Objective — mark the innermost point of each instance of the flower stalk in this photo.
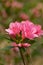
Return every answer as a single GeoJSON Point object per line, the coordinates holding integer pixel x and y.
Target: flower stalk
{"type": "Point", "coordinates": [22, 56]}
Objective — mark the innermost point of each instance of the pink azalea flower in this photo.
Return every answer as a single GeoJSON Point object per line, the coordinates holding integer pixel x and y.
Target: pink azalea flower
{"type": "Point", "coordinates": [21, 44]}
{"type": "Point", "coordinates": [24, 16]}
{"type": "Point", "coordinates": [26, 45]}
{"type": "Point", "coordinates": [27, 29]}
{"type": "Point", "coordinates": [14, 28]}
{"type": "Point", "coordinates": [36, 12]}
{"type": "Point", "coordinates": [30, 30]}
{"type": "Point", "coordinates": [15, 46]}
{"type": "Point", "coordinates": [39, 32]}
{"type": "Point", "coordinates": [17, 4]}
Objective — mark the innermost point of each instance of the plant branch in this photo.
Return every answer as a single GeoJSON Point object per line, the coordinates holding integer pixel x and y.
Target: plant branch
{"type": "Point", "coordinates": [22, 56]}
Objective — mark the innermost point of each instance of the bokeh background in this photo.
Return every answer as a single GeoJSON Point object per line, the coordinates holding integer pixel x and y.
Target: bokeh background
{"type": "Point", "coordinates": [19, 10]}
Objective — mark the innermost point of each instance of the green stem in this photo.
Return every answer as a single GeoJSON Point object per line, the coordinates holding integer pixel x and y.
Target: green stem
{"type": "Point", "coordinates": [20, 40]}
{"type": "Point", "coordinates": [22, 56]}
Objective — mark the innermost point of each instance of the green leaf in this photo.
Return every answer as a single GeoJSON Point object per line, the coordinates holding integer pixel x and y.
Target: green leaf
{"type": "Point", "coordinates": [7, 48]}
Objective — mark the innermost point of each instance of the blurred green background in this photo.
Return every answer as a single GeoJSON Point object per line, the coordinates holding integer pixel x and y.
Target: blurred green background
{"type": "Point", "coordinates": [19, 10]}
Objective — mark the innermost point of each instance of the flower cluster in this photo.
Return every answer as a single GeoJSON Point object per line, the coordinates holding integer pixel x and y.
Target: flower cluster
{"type": "Point", "coordinates": [24, 16]}
{"type": "Point", "coordinates": [36, 12]}
{"type": "Point", "coordinates": [14, 28]}
{"type": "Point", "coordinates": [21, 45]}
{"type": "Point", "coordinates": [16, 4]}
{"type": "Point", "coordinates": [25, 29]}
{"type": "Point", "coordinates": [30, 30]}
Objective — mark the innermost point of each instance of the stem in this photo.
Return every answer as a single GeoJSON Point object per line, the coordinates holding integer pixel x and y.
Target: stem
{"type": "Point", "coordinates": [22, 56]}
{"type": "Point", "coordinates": [20, 40]}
